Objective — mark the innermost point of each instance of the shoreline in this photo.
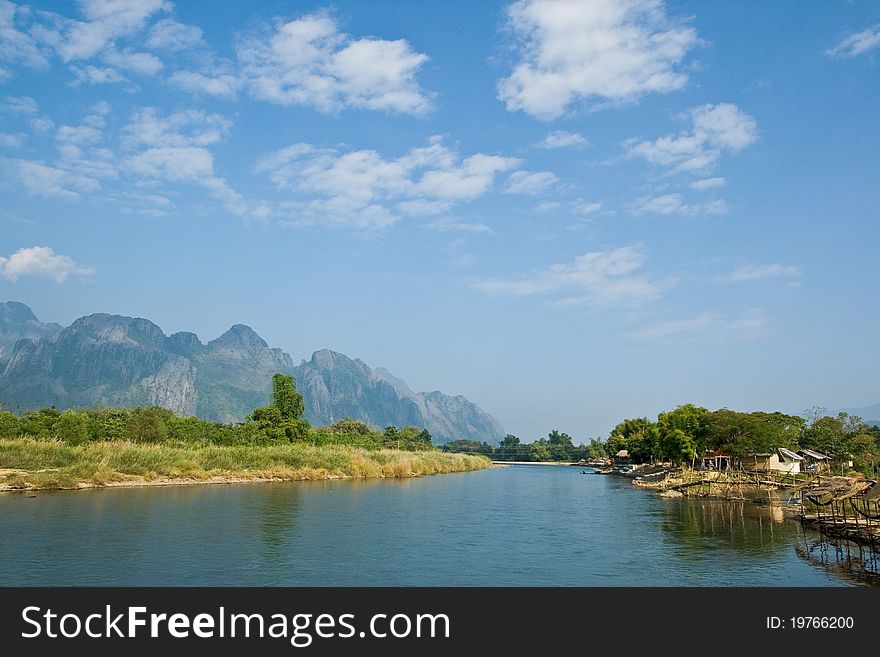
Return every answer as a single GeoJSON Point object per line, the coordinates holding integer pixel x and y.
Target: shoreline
{"type": "Point", "coordinates": [29, 465]}
{"type": "Point", "coordinates": [192, 481]}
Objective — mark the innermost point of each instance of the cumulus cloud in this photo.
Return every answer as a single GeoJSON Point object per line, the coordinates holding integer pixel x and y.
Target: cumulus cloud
{"type": "Point", "coordinates": [759, 272]}
{"type": "Point", "coordinates": [715, 129]}
{"type": "Point", "coordinates": [599, 52]}
{"type": "Point", "coordinates": [91, 74]}
{"type": "Point", "coordinates": [601, 278]}
{"type": "Point", "coordinates": [184, 128]}
{"type": "Point", "coordinates": [562, 139]}
{"type": "Point", "coordinates": [530, 184]}
{"type": "Point", "coordinates": [363, 189]}
{"type": "Point", "coordinates": [17, 46]}
{"type": "Point", "coordinates": [450, 226]}
{"type": "Point", "coordinates": [706, 327]}
{"type": "Point", "coordinates": [309, 61]}
{"type": "Point", "coordinates": [105, 22]}
{"type": "Point", "coordinates": [168, 34]}
{"type": "Point", "coordinates": [221, 85]}
{"type": "Point", "coordinates": [675, 204]}
{"type": "Point", "coordinates": [857, 43]}
{"type": "Point", "coordinates": [40, 261]}
{"type": "Point", "coordinates": [45, 180]}
{"type": "Point", "coordinates": [586, 208]}
{"type": "Point", "coordinates": [708, 183]}
{"type": "Point", "coordinates": [8, 140]}
{"type": "Point", "coordinates": [142, 63]}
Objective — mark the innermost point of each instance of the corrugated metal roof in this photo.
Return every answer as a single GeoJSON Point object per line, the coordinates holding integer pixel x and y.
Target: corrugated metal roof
{"type": "Point", "coordinates": [819, 456]}
{"type": "Point", "coordinates": [787, 453]}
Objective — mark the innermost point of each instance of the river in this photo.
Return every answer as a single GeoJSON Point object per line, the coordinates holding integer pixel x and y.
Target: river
{"type": "Point", "coordinates": [519, 525]}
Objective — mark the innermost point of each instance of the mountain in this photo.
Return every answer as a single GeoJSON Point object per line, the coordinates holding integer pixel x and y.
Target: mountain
{"type": "Point", "coordinates": [870, 414]}
{"type": "Point", "coordinates": [335, 386]}
{"type": "Point", "coordinates": [111, 360]}
{"type": "Point", "coordinates": [18, 322]}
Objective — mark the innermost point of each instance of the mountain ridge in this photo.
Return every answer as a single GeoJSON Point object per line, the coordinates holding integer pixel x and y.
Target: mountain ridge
{"type": "Point", "coordinates": [115, 360]}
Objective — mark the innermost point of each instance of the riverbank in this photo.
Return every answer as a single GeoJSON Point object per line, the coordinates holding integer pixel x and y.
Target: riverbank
{"type": "Point", "coordinates": [27, 464]}
{"type": "Point", "coordinates": [724, 485]}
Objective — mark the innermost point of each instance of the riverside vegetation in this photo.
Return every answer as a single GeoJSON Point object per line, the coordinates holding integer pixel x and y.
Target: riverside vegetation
{"type": "Point", "coordinates": [685, 434]}
{"type": "Point", "coordinates": [114, 446]}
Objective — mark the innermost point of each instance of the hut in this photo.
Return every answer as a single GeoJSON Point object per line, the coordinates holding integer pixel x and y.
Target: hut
{"type": "Point", "coordinates": [622, 457]}
{"type": "Point", "coordinates": [789, 462]}
{"type": "Point", "coordinates": [815, 461]}
{"type": "Point", "coordinates": [717, 460]}
{"type": "Point", "coordinates": [782, 460]}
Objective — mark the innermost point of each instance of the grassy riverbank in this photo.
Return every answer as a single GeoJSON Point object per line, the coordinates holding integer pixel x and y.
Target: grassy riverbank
{"type": "Point", "coordinates": [28, 464]}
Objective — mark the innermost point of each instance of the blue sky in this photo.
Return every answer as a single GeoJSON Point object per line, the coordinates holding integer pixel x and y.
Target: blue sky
{"type": "Point", "coordinates": [569, 212]}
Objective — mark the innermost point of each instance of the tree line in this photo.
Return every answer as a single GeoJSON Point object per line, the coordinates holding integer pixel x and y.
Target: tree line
{"type": "Point", "coordinates": [281, 421]}
{"type": "Point", "coordinates": [690, 432]}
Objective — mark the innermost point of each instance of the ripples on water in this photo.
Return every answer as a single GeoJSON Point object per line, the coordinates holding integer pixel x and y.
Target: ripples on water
{"type": "Point", "coordinates": [521, 525]}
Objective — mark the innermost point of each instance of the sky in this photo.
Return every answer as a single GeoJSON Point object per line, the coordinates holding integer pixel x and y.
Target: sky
{"type": "Point", "coordinates": [570, 212]}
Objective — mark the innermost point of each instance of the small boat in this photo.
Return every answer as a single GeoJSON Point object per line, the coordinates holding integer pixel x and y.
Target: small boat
{"type": "Point", "coordinates": [604, 471]}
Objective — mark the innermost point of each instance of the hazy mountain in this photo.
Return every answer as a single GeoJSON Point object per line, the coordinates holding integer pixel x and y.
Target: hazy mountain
{"type": "Point", "coordinates": [335, 386]}
{"type": "Point", "coordinates": [870, 414]}
{"type": "Point", "coordinates": [110, 360]}
{"type": "Point", "coordinates": [17, 322]}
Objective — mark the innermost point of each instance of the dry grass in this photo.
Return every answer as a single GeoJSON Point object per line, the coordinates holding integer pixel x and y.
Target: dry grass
{"type": "Point", "coordinates": [34, 464]}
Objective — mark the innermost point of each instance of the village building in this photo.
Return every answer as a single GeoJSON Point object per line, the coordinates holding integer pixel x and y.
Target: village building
{"type": "Point", "coordinates": [815, 461]}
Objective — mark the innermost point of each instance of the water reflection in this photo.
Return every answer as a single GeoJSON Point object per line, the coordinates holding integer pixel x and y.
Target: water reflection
{"type": "Point", "coordinates": [276, 509]}
{"type": "Point", "coordinates": [843, 559]}
{"type": "Point", "coordinates": [735, 524]}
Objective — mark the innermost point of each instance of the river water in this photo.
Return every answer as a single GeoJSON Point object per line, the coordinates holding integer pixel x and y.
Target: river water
{"type": "Point", "coordinates": [519, 525]}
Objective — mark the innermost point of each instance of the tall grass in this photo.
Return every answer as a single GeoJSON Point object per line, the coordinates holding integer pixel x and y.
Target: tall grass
{"type": "Point", "coordinates": [35, 464]}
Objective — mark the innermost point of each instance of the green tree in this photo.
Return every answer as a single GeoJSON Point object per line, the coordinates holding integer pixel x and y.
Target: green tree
{"type": "Point", "coordinates": [596, 449]}
{"type": "Point", "coordinates": [286, 398]}
{"type": "Point", "coordinates": [639, 436]}
{"type": "Point", "coordinates": [149, 424]}
{"type": "Point", "coordinates": [9, 426]}
{"type": "Point", "coordinates": [690, 420]}
{"type": "Point", "coordinates": [560, 446]}
{"type": "Point", "coordinates": [73, 427]}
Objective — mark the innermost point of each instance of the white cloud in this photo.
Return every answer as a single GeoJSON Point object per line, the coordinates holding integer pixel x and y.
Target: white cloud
{"type": "Point", "coordinates": [586, 208]}
{"type": "Point", "coordinates": [707, 327]}
{"type": "Point", "coordinates": [24, 105]}
{"type": "Point", "coordinates": [222, 85]}
{"type": "Point", "coordinates": [17, 47]}
{"type": "Point", "coordinates": [531, 184]}
{"type": "Point", "coordinates": [675, 204]}
{"type": "Point", "coordinates": [168, 34]}
{"type": "Point", "coordinates": [44, 180]}
{"type": "Point", "coordinates": [423, 207]}
{"type": "Point", "coordinates": [183, 128]}
{"type": "Point", "coordinates": [41, 261]}
{"type": "Point", "coordinates": [106, 21]}
{"type": "Point", "coordinates": [9, 141]}
{"type": "Point", "coordinates": [562, 139]}
{"type": "Point", "coordinates": [759, 272]}
{"type": "Point", "coordinates": [448, 226]}
{"type": "Point", "coordinates": [174, 149]}
{"type": "Point", "coordinates": [858, 43]}
{"type": "Point", "coordinates": [353, 188]}
{"type": "Point", "coordinates": [78, 135]}
{"type": "Point", "coordinates": [598, 52]}
{"type": "Point", "coordinates": [601, 278]}
{"type": "Point", "coordinates": [547, 206]}
{"type": "Point", "coordinates": [308, 61]}
{"type": "Point", "coordinates": [91, 74]}
{"type": "Point", "coordinates": [174, 163]}
{"type": "Point", "coordinates": [715, 129]}
{"type": "Point", "coordinates": [142, 63]}
{"type": "Point", "coordinates": [708, 183]}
